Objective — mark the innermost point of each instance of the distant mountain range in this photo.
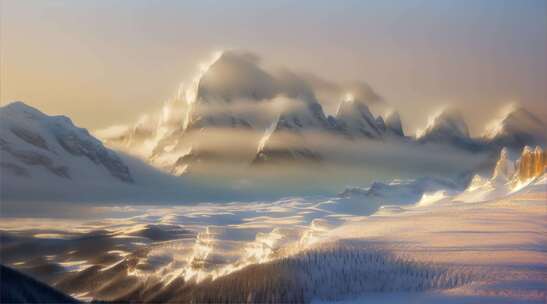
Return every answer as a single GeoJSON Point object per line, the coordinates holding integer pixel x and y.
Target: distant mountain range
{"type": "Point", "coordinates": [237, 113]}
{"type": "Point", "coordinates": [233, 95]}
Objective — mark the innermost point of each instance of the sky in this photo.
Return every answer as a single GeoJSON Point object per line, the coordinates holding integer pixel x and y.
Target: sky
{"type": "Point", "coordinates": [106, 62]}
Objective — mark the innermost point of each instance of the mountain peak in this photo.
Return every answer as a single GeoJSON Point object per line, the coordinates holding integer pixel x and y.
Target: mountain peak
{"type": "Point", "coordinates": [393, 123]}
{"type": "Point", "coordinates": [517, 128]}
{"type": "Point", "coordinates": [355, 119]}
{"type": "Point", "coordinates": [21, 107]}
{"type": "Point", "coordinates": [30, 139]}
{"type": "Point", "coordinates": [235, 75]}
{"type": "Point", "coordinates": [517, 119]}
{"type": "Point", "coordinates": [447, 123]}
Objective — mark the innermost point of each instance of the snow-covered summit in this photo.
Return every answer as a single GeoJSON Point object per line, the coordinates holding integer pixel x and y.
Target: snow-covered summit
{"type": "Point", "coordinates": [31, 140]}
{"type": "Point", "coordinates": [446, 124]}
{"type": "Point", "coordinates": [355, 120]}
{"type": "Point", "coordinates": [235, 75]}
{"type": "Point", "coordinates": [516, 129]}
{"type": "Point", "coordinates": [448, 127]}
{"type": "Point", "coordinates": [285, 140]}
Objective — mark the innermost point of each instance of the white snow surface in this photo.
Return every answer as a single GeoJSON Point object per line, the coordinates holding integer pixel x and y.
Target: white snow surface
{"type": "Point", "coordinates": [340, 249]}
{"type": "Point", "coordinates": [51, 147]}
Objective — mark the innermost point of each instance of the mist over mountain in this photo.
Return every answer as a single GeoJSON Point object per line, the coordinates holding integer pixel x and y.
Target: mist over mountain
{"type": "Point", "coordinates": [254, 131]}
{"type": "Point", "coordinates": [516, 129]}
{"type": "Point", "coordinates": [238, 112]}
{"type": "Point", "coordinates": [47, 158]}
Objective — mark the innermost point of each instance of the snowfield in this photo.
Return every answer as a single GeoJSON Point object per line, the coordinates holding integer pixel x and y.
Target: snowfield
{"type": "Point", "coordinates": [295, 250]}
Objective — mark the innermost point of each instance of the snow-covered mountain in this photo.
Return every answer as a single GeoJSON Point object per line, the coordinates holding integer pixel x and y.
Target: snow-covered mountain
{"type": "Point", "coordinates": [517, 129]}
{"type": "Point", "coordinates": [355, 120]}
{"type": "Point", "coordinates": [33, 143]}
{"type": "Point", "coordinates": [285, 142]}
{"type": "Point", "coordinates": [393, 123]}
{"type": "Point", "coordinates": [448, 127]}
{"type": "Point", "coordinates": [286, 139]}
{"type": "Point", "coordinates": [237, 111]}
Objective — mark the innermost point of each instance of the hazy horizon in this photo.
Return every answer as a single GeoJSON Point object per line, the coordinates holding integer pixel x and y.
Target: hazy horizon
{"type": "Point", "coordinates": [477, 55]}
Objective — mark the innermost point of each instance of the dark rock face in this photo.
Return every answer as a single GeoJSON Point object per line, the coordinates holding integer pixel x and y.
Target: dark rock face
{"type": "Point", "coordinates": [218, 121]}
{"type": "Point", "coordinates": [287, 143]}
{"type": "Point", "coordinates": [393, 124]}
{"type": "Point", "coordinates": [354, 119]}
{"type": "Point", "coordinates": [19, 288]}
{"type": "Point", "coordinates": [272, 156]}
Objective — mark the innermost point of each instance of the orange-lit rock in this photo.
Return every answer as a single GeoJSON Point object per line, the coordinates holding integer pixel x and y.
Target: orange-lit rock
{"type": "Point", "coordinates": [531, 163]}
{"type": "Point", "coordinates": [539, 161]}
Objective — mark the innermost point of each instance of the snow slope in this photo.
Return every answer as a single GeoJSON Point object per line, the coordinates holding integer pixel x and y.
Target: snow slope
{"type": "Point", "coordinates": [47, 158]}
{"type": "Point", "coordinates": [502, 241]}
{"type": "Point", "coordinates": [33, 142]}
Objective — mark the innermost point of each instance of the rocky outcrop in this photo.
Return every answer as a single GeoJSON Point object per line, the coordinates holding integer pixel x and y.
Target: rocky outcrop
{"type": "Point", "coordinates": [505, 168]}
{"type": "Point", "coordinates": [532, 163]}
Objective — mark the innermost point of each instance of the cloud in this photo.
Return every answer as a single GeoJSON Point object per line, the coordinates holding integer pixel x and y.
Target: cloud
{"type": "Point", "coordinates": [330, 93]}
{"type": "Point", "coordinates": [241, 75]}
{"type": "Point", "coordinates": [236, 75]}
{"type": "Point", "coordinates": [363, 92]}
